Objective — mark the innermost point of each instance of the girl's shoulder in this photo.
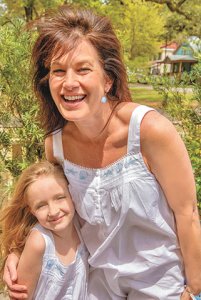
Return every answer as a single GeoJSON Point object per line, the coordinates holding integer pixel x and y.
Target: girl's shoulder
{"type": "Point", "coordinates": [30, 263]}
{"type": "Point", "coordinates": [36, 242]}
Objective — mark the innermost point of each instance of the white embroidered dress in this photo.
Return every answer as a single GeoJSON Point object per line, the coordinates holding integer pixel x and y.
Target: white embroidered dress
{"type": "Point", "coordinates": [58, 281]}
{"type": "Point", "coordinates": [127, 225]}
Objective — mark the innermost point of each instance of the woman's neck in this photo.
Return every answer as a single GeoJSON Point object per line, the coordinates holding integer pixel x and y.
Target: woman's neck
{"type": "Point", "coordinates": [97, 128]}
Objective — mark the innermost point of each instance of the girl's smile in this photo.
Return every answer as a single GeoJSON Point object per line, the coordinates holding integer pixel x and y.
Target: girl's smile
{"type": "Point", "coordinates": [57, 220]}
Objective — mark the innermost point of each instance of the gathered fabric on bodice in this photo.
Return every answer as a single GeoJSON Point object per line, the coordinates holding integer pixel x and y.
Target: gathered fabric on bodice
{"type": "Point", "coordinates": [127, 225]}
{"type": "Point", "coordinates": [58, 281]}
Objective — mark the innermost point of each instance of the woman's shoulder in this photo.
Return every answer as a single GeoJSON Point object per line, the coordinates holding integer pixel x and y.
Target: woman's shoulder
{"type": "Point", "coordinates": [124, 111]}
{"type": "Point", "coordinates": [155, 126]}
{"type": "Point", "coordinates": [159, 138]}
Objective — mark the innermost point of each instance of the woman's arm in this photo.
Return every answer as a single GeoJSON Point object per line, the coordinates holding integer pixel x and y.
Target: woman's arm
{"type": "Point", "coordinates": [30, 263]}
{"type": "Point", "coordinates": [49, 149]}
{"type": "Point", "coordinates": [16, 291]}
{"type": "Point", "coordinates": [167, 158]}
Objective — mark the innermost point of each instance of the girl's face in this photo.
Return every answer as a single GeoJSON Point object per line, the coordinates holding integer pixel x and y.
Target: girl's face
{"type": "Point", "coordinates": [50, 202]}
{"type": "Point", "coordinates": [77, 83]}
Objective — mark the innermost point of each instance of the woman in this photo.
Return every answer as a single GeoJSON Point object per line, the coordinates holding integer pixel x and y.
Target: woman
{"type": "Point", "coordinates": [128, 170]}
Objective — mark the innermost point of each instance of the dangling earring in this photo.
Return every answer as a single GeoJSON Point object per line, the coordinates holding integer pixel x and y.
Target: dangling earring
{"type": "Point", "coordinates": [104, 99]}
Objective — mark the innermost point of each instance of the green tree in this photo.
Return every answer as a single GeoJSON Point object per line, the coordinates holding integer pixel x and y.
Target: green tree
{"type": "Point", "coordinates": [18, 106]}
{"type": "Point", "coordinates": [138, 26]}
{"type": "Point", "coordinates": [28, 10]}
{"type": "Point", "coordinates": [182, 16]}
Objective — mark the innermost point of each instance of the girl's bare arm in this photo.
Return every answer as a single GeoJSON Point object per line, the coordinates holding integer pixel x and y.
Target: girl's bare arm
{"type": "Point", "coordinates": [30, 263]}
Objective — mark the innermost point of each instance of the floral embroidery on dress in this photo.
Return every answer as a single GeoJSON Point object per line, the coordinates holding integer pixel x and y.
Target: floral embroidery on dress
{"type": "Point", "coordinates": [108, 173]}
{"type": "Point", "coordinates": [118, 167]}
{"type": "Point", "coordinates": [83, 175]}
{"type": "Point", "coordinates": [60, 271]}
{"type": "Point", "coordinates": [70, 171]}
{"type": "Point", "coordinates": [82, 252]}
{"type": "Point", "coordinates": [131, 162]}
{"type": "Point", "coordinates": [50, 263]}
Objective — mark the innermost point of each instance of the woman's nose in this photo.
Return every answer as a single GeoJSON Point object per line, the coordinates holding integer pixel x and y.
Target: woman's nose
{"type": "Point", "coordinates": [70, 80]}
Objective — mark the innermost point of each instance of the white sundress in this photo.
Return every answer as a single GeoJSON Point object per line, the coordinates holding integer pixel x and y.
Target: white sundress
{"type": "Point", "coordinates": [127, 225]}
{"type": "Point", "coordinates": [58, 281]}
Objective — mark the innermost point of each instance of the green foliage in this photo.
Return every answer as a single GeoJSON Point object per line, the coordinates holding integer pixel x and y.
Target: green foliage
{"type": "Point", "coordinates": [27, 10]}
{"type": "Point", "coordinates": [182, 17]}
{"type": "Point", "coordinates": [138, 27]}
{"type": "Point", "coordinates": [18, 106]}
{"type": "Point", "coordinates": [185, 111]}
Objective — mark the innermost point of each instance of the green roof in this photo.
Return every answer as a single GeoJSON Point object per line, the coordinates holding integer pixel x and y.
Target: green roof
{"type": "Point", "coordinates": [179, 58]}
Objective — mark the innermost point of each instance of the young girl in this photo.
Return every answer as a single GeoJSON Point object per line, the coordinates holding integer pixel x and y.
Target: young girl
{"type": "Point", "coordinates": [39, 224]}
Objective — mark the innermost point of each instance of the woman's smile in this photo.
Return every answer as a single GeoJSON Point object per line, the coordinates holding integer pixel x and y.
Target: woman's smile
{"type": "Point", "coordinates": [72, 101]}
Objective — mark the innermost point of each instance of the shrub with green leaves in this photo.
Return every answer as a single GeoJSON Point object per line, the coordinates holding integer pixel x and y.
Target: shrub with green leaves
{"type": "Point", "coordinates": [18, 106]}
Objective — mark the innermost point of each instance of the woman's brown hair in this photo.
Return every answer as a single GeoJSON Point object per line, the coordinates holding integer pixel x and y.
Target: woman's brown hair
{"type": "Point", "coordinates": [16, 220]}
{"type": "Point", "coordinates": [59, 32]}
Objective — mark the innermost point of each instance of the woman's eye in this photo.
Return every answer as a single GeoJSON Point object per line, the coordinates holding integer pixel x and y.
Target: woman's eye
{"type": "Point", "coordinates": [58, 71]}
{"type": "Point", "coordinates": [84, 70]}
{"type": "Point", "coordinates": [61, 197]}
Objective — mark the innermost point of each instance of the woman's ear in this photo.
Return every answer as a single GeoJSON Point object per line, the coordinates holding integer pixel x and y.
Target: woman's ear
{"type": "Point", "coordinates": [108, 84]}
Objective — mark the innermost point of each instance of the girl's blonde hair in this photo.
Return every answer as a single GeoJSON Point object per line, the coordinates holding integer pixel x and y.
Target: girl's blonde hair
{"type": "Point", "coordinates": [16, 219]}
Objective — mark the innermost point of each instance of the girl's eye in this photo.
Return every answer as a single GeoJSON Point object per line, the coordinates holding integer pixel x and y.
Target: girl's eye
{"type": "Point", "coordinates": [40, 205]}
{"type": "Point", "coordinates": [61, 197]}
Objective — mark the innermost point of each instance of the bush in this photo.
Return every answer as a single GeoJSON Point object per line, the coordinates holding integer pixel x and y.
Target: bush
{"type": "Point", "coordinates": [19, 109]}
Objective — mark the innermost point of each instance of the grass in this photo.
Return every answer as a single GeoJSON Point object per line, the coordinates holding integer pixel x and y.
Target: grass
{"type": "Point", "coordinates": [150, 97]}
{"type": "Point", "coordinates": [146, 97]}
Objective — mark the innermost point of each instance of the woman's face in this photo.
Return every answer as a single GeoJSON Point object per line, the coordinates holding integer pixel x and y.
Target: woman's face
{"type": "Point", "coordinates": [77, 83]}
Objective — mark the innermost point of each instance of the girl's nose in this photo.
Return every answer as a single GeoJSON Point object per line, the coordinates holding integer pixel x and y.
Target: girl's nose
{"type": "Point", "coordinates": [70, 80]}
{"type": "Point", "coordinates": [53, 210]}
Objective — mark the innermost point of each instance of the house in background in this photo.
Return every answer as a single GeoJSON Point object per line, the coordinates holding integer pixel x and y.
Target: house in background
{"type": "Point", "coordinates": [157, 67]}
{"type": "Point", "coordinates": [182, 58]}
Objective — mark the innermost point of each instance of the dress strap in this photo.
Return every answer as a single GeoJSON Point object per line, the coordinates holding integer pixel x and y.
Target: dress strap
{"type": "Point", "coordinates": [57, 145]}
{"type": "Point", "coordinates": [134, 128]}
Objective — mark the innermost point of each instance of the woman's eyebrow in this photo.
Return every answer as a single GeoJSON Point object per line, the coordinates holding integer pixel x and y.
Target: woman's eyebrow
{"type": "Point", "coordinates": [56, 62]}
{"type": "Point", "coordinates": [84, 61]}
